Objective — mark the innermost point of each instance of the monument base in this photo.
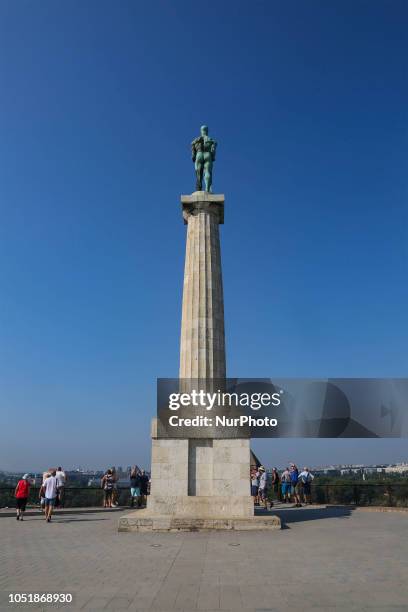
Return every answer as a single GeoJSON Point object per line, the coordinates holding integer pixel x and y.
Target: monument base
{"type": "Point", "coordinates": [201, 478]}
{"type": "Point", "coordinates": [142, 520]}
{"type": "Point", "coordinates": [198, 485]}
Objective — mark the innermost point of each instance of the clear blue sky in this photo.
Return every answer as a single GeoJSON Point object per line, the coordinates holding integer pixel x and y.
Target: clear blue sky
{"type": "Point", "coordinates": [99, 102]}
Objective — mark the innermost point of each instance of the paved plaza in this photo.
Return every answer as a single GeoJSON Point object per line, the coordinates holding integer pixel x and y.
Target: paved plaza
{"type": "Point", "coordinates": [325, 559]}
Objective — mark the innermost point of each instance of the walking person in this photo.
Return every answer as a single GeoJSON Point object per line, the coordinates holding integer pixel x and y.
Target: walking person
{"type": "Point", "coordinates": [107, 484]}
{"type": "Point", "coordinates": [41, 495]}
{"type": "Point", "coordinates": [285, 486]}
{"type": "Point", "coordinates": [50, 491]}
{"type": "Point", "coordinates": [61, 480]}
{"type": "Point", "coordinates": [135, 487]}
{"type": "Point", "coordinates": [306, 477]}
{"type": "Point", "coordinates": [21, 493]}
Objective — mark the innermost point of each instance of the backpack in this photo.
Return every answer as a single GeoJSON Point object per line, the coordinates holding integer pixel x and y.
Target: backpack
{"type": "Point", "coordinates": [108, 483]}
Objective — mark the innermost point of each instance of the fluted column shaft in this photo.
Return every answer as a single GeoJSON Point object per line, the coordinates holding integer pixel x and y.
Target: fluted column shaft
{"type": "Point", "coordinates": [202, 345]}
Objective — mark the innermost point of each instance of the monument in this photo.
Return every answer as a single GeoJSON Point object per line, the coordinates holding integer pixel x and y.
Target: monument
{"type": "Point", "coordinates": [200, 483]}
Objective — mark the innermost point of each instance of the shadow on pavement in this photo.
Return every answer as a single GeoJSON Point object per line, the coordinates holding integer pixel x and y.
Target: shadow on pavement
{"type": "Point", "coordinates": [58, 519]}
{"type": "Point", "coordinates": [297, 515]}
{"type": "Point", "coordinates": [7, 512]}
{"type": "Point", "coordinates": [79, 520]}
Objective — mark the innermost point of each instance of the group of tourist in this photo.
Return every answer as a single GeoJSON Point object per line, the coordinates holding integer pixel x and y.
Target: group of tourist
{"type": "Point", "coordinates": [52, 492]}
{"type": "Point", "coordinates": [289, 486]}
{"type": "Point", "coordinates": [139, 482]}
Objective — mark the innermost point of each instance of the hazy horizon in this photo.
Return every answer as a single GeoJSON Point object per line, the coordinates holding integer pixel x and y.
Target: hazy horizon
{"type": "Point", "coordinates": [300, 451]}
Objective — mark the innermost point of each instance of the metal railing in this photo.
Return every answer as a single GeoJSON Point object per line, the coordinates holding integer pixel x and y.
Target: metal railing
{"type": "Point", "coordinates": [357, 494]}
{"type": "Point", "coordinates": [370, 494]}
{"type": "Point", "coordinates": [361, 494]}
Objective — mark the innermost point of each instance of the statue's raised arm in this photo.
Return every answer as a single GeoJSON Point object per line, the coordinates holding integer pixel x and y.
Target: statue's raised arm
{"type": "Point", "coordinates": [203, 150]}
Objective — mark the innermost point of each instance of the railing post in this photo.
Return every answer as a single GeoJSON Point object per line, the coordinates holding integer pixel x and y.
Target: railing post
{"type": "Point", "coordinates": [355, 495]}
{"type": "Point", "coordinates": [390, 497]}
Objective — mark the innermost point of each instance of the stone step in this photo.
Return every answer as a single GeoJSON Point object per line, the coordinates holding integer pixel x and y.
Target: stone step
{"type": "Point", "coordinates": [142, 520]}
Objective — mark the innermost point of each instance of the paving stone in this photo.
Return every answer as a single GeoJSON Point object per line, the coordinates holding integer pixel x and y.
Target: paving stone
{"type": "Point", "coordinates": [333, 563]}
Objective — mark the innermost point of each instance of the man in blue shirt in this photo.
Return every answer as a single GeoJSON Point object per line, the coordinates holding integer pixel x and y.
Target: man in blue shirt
{"type": "Point", "coordinates": [294, 479]}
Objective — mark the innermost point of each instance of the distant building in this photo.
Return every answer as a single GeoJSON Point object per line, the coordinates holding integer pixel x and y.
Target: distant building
{"type": "Point", "coordinates": [398, 468]}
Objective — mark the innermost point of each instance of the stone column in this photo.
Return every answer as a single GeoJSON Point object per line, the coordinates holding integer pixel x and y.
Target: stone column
{"type": "Point", "coordinates": [201, 477]}
{"type": "Point", "coordinates": [202, 345]}
{"type": "Point", "coordinates": [200, 483]}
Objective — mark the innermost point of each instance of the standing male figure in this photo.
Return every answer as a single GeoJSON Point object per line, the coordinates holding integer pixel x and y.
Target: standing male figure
{"type": "Point", "coordinates": [255, 485]}
{"type": "Point", "coordinates": [61, 480]}
{"type": "Point", "coordinates": [203, 154]}
{"type": "Point", "coordinates": [294, 480]}
{"type": "Point", "coordinates": [286, 486]}
{"type": "Point", "coordinates": [263, 487]}
{"type": "Point", "coordinates": [49, 492]}
{"type": "Point", "coordinates": [306, 478]}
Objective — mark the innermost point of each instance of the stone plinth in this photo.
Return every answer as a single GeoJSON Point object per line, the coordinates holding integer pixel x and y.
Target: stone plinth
{"type": "Point", "coordinates": [142, 520]}
{"type": "Point", "coordinates": [200, 478]}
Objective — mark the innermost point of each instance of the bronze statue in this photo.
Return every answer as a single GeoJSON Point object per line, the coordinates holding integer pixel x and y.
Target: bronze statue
{"type": "Point", "coordinates": [203, 153]}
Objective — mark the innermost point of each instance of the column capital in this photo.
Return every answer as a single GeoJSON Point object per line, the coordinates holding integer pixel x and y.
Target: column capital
{"type": "Point", "coordinates": [203, 201]}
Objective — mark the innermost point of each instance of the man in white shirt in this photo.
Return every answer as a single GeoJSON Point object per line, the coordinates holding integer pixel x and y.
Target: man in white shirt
{"type": "Point", "coordinates": [305, 479]}
{"type": "Point", "coordinates": [49, 491]}
{"type": "Point", "coordinates": [61, 480]}
{"type": "Point", "coordinates": [255, 485]}
{"type": "Point", "coordinates": [263, 486]}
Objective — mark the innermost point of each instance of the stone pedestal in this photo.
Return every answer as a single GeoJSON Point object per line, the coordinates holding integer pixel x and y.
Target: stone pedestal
{"type": "Point", "coordinates": [203, 478]}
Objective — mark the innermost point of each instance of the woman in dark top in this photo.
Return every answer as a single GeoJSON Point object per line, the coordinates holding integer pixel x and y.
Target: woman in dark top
{"type": "Point", "coordinates": [135, 487]}
{"type": "Point", "coordinates": [276, 484]}
{"type": "Point", "coordinates": [144, 487]}
{"type": "Point", "coordinates": [107, 484]}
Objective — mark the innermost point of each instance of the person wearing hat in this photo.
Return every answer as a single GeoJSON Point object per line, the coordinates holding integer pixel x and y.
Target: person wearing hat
{"type": "Point", "coordinates": [22, 492]}
{"type": "Point", "coordinates": [263, 486]}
